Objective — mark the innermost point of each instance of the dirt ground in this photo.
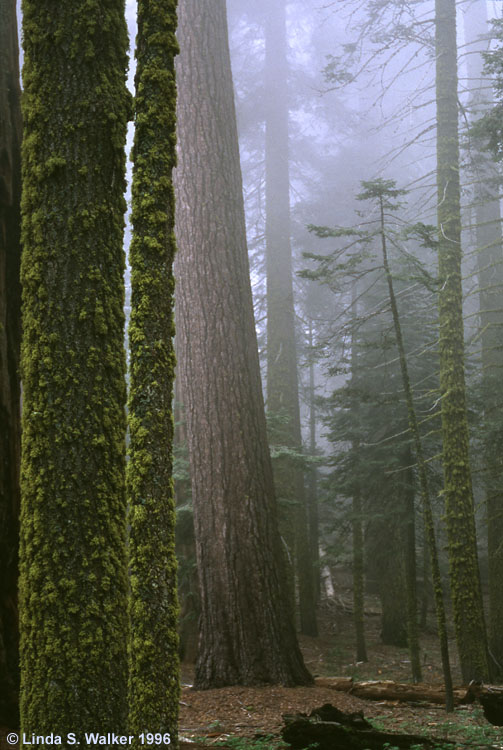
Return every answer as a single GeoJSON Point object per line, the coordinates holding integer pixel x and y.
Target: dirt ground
{"type": "Point", "coordinates": [216, 715]}
{"type": "Point", "coordinates": [213, 716]}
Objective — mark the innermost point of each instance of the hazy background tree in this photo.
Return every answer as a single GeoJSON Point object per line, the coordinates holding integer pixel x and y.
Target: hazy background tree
{"type": "Point", "coordinates": [489, 265]}
{"type": "Point", "coordinates": [282, 377]}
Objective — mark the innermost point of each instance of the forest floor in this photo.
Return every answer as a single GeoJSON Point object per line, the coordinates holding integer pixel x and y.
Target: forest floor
{"type": "Point", "coordinates": [251, 718]}
{"type": "Point", "coordinates": [241, 718]}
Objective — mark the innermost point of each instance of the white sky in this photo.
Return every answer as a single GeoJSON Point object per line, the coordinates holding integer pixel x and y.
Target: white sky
{"type": "Point", "coordinates": [131, 22]}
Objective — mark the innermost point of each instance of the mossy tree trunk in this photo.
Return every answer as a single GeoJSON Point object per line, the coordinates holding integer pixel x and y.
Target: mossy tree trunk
{"type": "Point", "coordinates": [282, 377]}
{"type": "Point", "coordinates": [73, 572]}
{"type": "Point", "coordinates": [10, 335]}
{"type": "Point", "coordinates": [458, 495]}
{"type": "Point", "coordinates": [490, 276]}
{"type": "Point", "coordinates": [246, 625]}
{"type": "Point", "coordinates": [153, 666]}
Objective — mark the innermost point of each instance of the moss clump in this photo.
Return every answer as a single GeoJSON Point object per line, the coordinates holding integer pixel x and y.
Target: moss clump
{"type": "Point", "coordinates": [153, 680]}
{"type": "Point", "coordinates": [73, 521]}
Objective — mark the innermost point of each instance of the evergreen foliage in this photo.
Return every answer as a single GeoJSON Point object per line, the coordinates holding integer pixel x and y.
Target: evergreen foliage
{"type": "Point", "coordinates": [73, 574]}
{"type": "Point", "coordinates": [490, 125]}
{"type": "Point", "coordinates": [153, 679]}
{"type": "Point", "coordinates": [379, 460]}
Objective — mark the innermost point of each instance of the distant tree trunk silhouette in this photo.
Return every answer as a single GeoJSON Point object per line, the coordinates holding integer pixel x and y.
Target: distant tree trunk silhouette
{"type": "Point", "coordinates": [73, 568]}
{"type": "Point", "coordinates": [458, 495]}
{"type": "Point", "coordinates": [10, 333]}
{"type": "Point", "coordinates": [312, 487]}
{"type": "Point", "coordinates": [154, 685]}
{"type": "Point", "coordinates": [385, 555]}
{"type": "Point", "coordinates": [282, 378]}
{"type": "Point", "coordinates": [246, 628]}
{"type": "Point", "coordinates": [358, 550]}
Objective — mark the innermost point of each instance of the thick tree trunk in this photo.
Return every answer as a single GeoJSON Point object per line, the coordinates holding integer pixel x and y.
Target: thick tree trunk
{"type": "Point", "coordinates": [246, 626]}
{"type": "Point", "coordinates": [73, 568]}
{"type": "Point", "coordinates": [282, 377]}
{"type": "Point", "coordinates": [154, 685]}
{"type": "Point", "coordinates": [10, 330]}
{"type": "Point", "coordinates": [458, 496]}
{"type": "Point", "coordinates": [490, 274]}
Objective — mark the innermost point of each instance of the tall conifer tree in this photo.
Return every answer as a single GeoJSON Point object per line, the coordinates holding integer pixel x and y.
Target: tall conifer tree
{"type": "Point", "coordinates": [246, 628]}
{"type": "Point", "coordinates": [488, 236]}
{"type": "Point", "coordinates": [282, 376]}
{"type": "Point", "coordinates": [153, 678]}
{"type": "Point", "coordinates": [73, 574]}
{"type": "Point", "coordinates": [458, 495]}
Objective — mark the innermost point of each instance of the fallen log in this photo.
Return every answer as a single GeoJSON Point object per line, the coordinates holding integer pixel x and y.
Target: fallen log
{"type": "Point", "coordinates": [344, 684]}
{"type": "Point", "coordinates": [327, 728]}
{"type": "Point", "coordinates": [491, 698]}
{"type": "Point", "coordinates": [388, 690]}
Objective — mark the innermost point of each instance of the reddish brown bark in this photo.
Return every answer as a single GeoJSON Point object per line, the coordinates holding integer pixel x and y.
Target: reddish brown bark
{"type": "Point", "coordinates": [246, 630]}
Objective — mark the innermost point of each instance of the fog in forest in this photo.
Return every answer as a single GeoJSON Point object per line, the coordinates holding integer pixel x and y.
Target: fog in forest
{"type": "Point", "coordinates": [338, 110]}
{"type": "Point", "coordinates": [261, 432]}
{"type": "Point", "coordinates": [360, 94]}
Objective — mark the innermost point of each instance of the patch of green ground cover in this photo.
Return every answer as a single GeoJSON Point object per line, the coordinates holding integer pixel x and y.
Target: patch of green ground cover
{"type": "Point", "coordinates": [262, 742]}
{"type": "Point", "coordinates": [266, 742]}
{"type": "Point", "coordinates": [465, 728]}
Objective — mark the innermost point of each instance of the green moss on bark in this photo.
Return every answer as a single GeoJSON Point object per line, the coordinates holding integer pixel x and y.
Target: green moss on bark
{"type": "Point", "coordinates": [458, 496]}
{"type": "Point", "coordinates": [73, 573]}
{"type": "Point", "coordinates": [154, 670]}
